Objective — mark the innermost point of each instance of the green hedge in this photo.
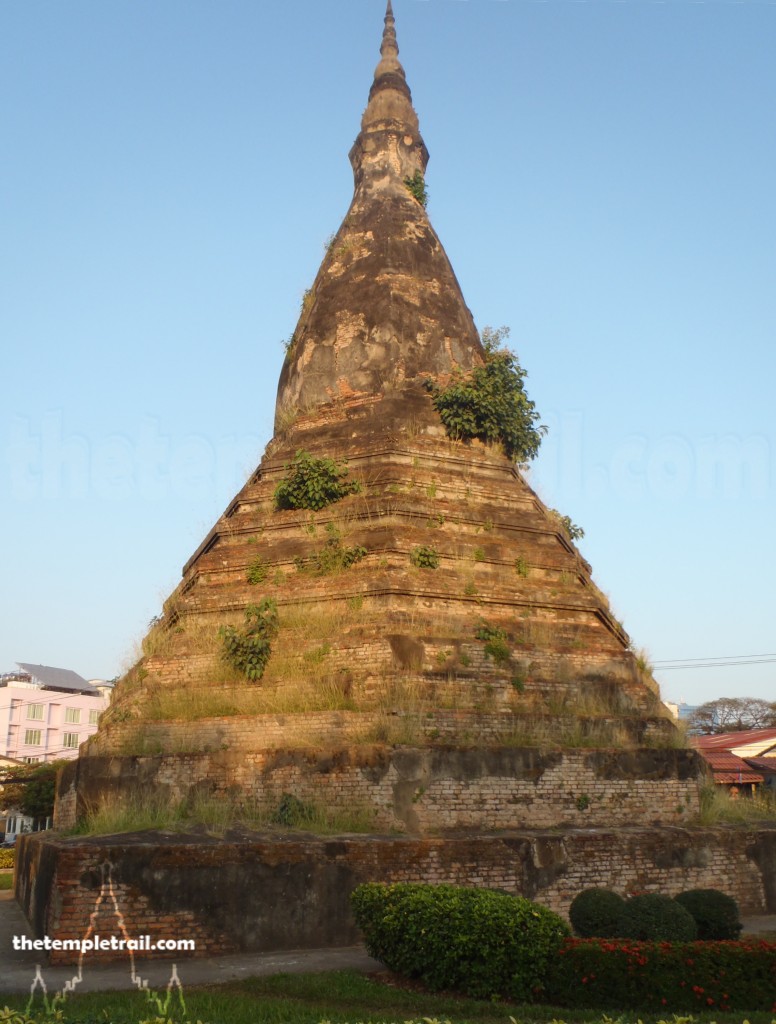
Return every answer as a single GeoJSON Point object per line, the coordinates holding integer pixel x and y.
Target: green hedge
{"type": "Point", "coordinates": [7, 857]}
{"type": "Point", "coordinates": [602, 973]}
{"type": "Point", "coordinates": [595, 913]}
{"type": "Point", "coordinates": [477, 941]}
{"type": "Point", "coordinates": [602, 914]}
{"type": "Point", "coordinates": [715, 913]}
{"type": "Point", "coordinates": [652, 916]}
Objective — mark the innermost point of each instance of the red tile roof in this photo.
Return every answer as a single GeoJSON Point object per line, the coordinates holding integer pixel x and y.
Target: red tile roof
{"type": "Point", "coordinates": [762, 764]}
{"type": "Point", "coordinates": [731, 740]}
{"type": "Point", "coordinates": [729, 769]}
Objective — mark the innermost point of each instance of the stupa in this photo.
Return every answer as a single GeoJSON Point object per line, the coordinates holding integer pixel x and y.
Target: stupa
{"type": "Point", "coordinates": [437, 600]}
{"type": "Point", "coordinates": [386, 628]}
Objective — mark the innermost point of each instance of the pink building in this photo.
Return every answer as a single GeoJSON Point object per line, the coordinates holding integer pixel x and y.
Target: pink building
{"type": "Point", "coordinates": [46, 713]}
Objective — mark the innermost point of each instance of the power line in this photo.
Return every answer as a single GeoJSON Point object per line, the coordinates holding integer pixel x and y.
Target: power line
{"type": "Point", "coordinates": [732, 661]}
{"type": "Point", "coordinates": [718, 657]}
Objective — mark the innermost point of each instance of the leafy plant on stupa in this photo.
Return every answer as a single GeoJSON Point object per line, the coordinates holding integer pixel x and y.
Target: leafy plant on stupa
{"type": "Point", "coordinates": [425, 557]}
{"type": "Point", "coordinates": [248, 650]}
{"type": "Point", "coordinates": [416, 186]}
{"type": "Point", "coordinates": [566, 523]}
{"type": "Point", "coordinates": [495, 640]}
{"type": "Point", "coordinates": [257, 571]}
{"type": "Point", "coordinates": [489, 403]}
{"type": "Point", "coordinates": [313, 483]}
{"type": "Point", "coordinates": [332, 557]}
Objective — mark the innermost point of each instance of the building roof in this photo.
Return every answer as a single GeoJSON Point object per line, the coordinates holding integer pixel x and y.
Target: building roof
{"type": "Point", "coordinates": [729, 769]}
{"type": "Point", "coordinates": [767, 765]}
{"type": "Point", "coordinates": [10, 762]}
{"type": "Point", "coordinates": [58, 678]}
{"type": "Point", "coordinates": [750, 742]}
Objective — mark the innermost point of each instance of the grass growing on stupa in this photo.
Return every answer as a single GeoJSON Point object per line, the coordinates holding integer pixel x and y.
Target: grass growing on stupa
{"type": "Point", "coordinates": [218, 813]}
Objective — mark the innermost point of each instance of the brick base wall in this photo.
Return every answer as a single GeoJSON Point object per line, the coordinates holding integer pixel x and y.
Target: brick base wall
{"type": "Point", "coordinates": [264, 892]}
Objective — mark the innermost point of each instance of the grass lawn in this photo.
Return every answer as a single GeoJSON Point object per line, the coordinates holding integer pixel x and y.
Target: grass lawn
{"type": "Point", "coordinates": [6, 879]}
{"type": "Point", "coordinates": [336, 996]}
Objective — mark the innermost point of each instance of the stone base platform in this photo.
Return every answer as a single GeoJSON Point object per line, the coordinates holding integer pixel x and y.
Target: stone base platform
{"type": "Point", "coordinates": [264, 892]}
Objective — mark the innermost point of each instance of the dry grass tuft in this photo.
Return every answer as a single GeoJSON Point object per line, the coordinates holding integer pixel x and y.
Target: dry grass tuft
{"type": "Point", "coordinates": [572, 733]}
{"type": "Point", "coordinates": [316, 693]}
{"type": "Point", "coordinates": [718, 807]}
{"type": "Point", "coordinates": [404, 729]}
{"type": "Point", "coordinates": [219, 812]}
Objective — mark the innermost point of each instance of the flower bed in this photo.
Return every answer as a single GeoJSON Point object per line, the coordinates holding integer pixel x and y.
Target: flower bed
{"type": "Point", "coordinates": [664, 975]}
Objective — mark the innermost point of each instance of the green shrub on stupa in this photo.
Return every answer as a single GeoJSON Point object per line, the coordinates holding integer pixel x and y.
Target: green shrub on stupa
{"type": "Point", "coordinates": [313, 483]}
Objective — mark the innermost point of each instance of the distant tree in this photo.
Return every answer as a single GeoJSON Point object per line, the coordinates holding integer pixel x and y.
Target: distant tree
{"type": "Point", "coordinates": [732, 714]}
{"type": "Point", "coordinates": [31, 789]}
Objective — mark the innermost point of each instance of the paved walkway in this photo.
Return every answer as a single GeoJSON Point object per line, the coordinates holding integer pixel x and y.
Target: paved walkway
{"type": "Point", "coordinates": [18, 968]}
{"type": "Point", "coordinates": [756, 925]}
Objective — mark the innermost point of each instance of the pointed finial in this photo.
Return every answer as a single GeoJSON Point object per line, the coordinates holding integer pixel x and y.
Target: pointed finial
{"type": "Point", "coordinates": [389, 120]}
{"type": "Point", "coordinates": [389, 48]}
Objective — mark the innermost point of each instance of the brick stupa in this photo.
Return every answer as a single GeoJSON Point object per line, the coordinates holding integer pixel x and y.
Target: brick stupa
{"type": "Point", "coordinates": [384, 650]}
{"type": "Point", "coordinates": [444, 668]}
{"type": "Point", "coordinates": [502, 643]}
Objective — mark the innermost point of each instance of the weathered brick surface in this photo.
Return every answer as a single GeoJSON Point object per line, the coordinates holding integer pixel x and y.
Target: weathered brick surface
{"type": "Point", "coordinates": [268, 892]}
{"type": "Point", "coordinates": [420, 790]}
{"type": "Point", "coordinates": [330, 729]}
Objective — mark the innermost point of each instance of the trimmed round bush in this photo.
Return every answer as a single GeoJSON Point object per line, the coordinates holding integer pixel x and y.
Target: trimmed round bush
{"type": "Point", "coordinates": [595, 913]}
{"type": "Point", "coordinates": [657, 917]}
{"type": "Point", "coordinates": [477, 941]}
{"type": "Point", "coordinates": [715, 913]}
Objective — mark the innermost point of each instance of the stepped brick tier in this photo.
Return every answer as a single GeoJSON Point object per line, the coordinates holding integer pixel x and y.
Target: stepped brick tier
{"type": "Point", "coordinates": [443, 660]}
{"type": "Point", "coordinates": [385, 651]}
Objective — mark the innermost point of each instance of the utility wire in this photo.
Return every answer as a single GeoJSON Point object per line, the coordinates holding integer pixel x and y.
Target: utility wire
{"type": "Point", "coordinates": [718, 657]}
{"type": "Point", "coordinates": [719, 662]}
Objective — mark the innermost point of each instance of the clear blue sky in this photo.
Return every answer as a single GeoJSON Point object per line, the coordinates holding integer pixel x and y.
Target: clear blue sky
{"type": "Point", "coordinates": [602, 177]}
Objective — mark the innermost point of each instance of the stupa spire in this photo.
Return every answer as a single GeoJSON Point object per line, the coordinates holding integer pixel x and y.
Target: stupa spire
{"type": "Point", "coordinates": [385, 309]}
{"type": "Point", "coordinates": [389, 119]}
{"type": "Point", "coordinates": [389, 48]}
